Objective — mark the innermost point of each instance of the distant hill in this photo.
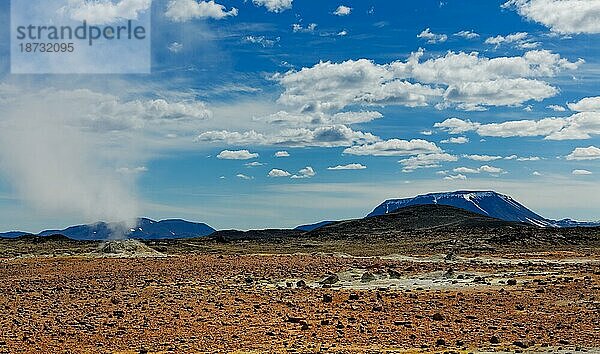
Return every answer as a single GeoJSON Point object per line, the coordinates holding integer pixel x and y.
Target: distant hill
{"type": "Point", "coordinates": [486, 203]}
{"type": "Point", "coordinates": [13, 234]}
{"type": "Point", "coordinates": [147, 229]}
{"type": "Point", "coordinates": [418, 218]}
{"type": "Point", "coordinates": [254, 235]}
{"type": "Point", "coordinates": [314, 226]}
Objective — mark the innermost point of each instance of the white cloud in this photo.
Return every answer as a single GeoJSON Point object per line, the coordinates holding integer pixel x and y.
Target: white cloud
{"type": "Point", "coordinates": [426, 161]}
{"type": "Point", "coordinates": [95, 112]}
{"type": "Point", "coordinates": [581, 172]}
{"type": "Point", "coordinates": [320, 118]}
{"type": "Point", "coordinates": [307, 172]}
{"type": "Point", "coordinates": [483, 158]}
{"type": "Point", "coordinates": [329, 86]}
{"type": "Point", "coordinates": [536, 173]}
{"type": "Point", "coordinates": [185, 10]}
{"type": "Point", "coordinates": [578, 126]}
{"type": "Point", "coordinates": [175, 47]}
{"type": "Point", "coordinates": [244, 177]}
{"type": "Point", "coordinates": [588, 153]}
{"type": "Point", "coordinates": [261, 40]}
{"type": "Point", "coordinates": [490, 169]}
{"type": "Point", "coordinates": [394, 147]}
{"type": "Point", "coordinates": [282, 154]}
{"type": "Point", "coordinates": [456, 140]}
{"type": "Point", "coordinates": [456, 125]}
{"type": "Point", "coordinates": [521, 39]}
{"type": "Point", "coordinates": [511, 38]}
{"type": "Point", "coordinates": [588, 104]}
{"type": "Point", "coordinates": [342, 11]}
{"type": "Point", "coordinates": [342, 33]}
{"type": "Point", "coordinates": [556, 108]}
{"type": "Point", "coordinates": [274, 5]}
{"type": "Point", "coordinates": [482, 169]}
{"type": "Point", "coordinates": [467, 34]}
{"type": "Point", "coordinates": [432, 37]}
{"type": "Point", "coordinates": [297, 28]}
{"type": "Point", "coordinates": [459, 177]}
{"type": "Point", "coordinates": [427, 132]}
{"type": "Point", "coordinates": [324, 136]}
{"type": "Point", "coordinates": [105, 11]}
{"type": "Point", "coordinates": [466, 81]}
{"type": "Point", "coordinates": [352, 166]}
{"type": "Point", "coordinates": [274, 173]}
{"type": "Point", "coordinates": [254, 164]}
{"type": "Point", "coordinates": [561, 16]}
{"type": "Point", "coordinates": [236, 155]}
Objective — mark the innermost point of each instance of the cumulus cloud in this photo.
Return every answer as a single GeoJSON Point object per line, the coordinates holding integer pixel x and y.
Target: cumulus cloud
{"type": "Point", "coordinates": [105, 11]}
{"type": "Point", "coordinates": [482, 158]}
{"type": "Point", "coordinates": [236, 155]}
{"type": "Point", "coordinates": [274, 5]}
{"type": "Point", "coordinates": [456, 140]}
{"type": "Point", "coordinates": [342, 11]}
{"type": "Point", "coordinates": [588, 104]}
{"type": "Point", "coordinates": [581, 172]}
{"type": "Point", "coordinates": [352, 166]}
{"type": "Point", "coordinates": [458, 177]}
{"type": "Point", "coordinates": [307, 172]}
{"type": "Point", "coordinates": [394, 147]}
{"type": "Point", "coordinates": [466, 81]}
{"type": "Point", "coordinates": [588, 153]}
{"type": "Point", "coordinates": [244, 177]}
{"type": "Point", "coordinates": [426, 161]}
{"type": "Point", "coordinates": [578, 126]}
{"type": "Point", "coordinates": [276, 173]}
{"type": "Point", "coordinates": [432, 37]}
{"type": "Point", "coordinates": [467, 34]}
{"type": "Point", "coordinates": [185, 10]}
{"type": "Point", "coordinates": [556, 108]}
{"type": "Point", "coordinates": [254, 164]}
{"type": "Point", "coordinates": [521, 39]}
{"type": "Point", "coordinates": [308, 118]}
{"type": "Point", "coordinates": [561, 16]}
{"type": "Point", "coordinates": [282, 154]}
{"type": "Point", "coordinates": [482, 169]}
{"type": "Point", "coordinates": [324, 136]}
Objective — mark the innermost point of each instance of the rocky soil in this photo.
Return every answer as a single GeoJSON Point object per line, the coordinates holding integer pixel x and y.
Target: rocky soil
{"type": "Point", "coordinates": [300, 303]}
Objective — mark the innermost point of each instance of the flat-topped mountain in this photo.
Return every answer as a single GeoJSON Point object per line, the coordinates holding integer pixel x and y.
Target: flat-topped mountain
{"type": "Point", "coordinates": [486, 203]}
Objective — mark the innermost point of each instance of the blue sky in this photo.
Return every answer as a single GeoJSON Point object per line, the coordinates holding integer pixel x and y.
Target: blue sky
{"type": "Point", "coordinates": [370, 99]}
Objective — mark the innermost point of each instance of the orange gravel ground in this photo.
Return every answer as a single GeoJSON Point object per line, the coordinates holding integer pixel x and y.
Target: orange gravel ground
{"type": "Point", "coordinates": [206, 303]}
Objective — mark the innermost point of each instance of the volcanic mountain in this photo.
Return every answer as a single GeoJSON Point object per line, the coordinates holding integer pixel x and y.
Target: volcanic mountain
{"type": "Point", "coordinates": [146, 229]}
{"type": "Point", "coordinates": [486, 203]}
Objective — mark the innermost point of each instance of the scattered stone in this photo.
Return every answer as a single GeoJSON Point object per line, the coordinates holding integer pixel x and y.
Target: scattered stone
{"type": "Point", "coordinates": [520, 344]}
{"type": "Point", "coordinates": [330, 279]}
{"type": "Point", "coordinates": [367, 277]}
{"type": "Point", "coordinates": [438, 317]}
